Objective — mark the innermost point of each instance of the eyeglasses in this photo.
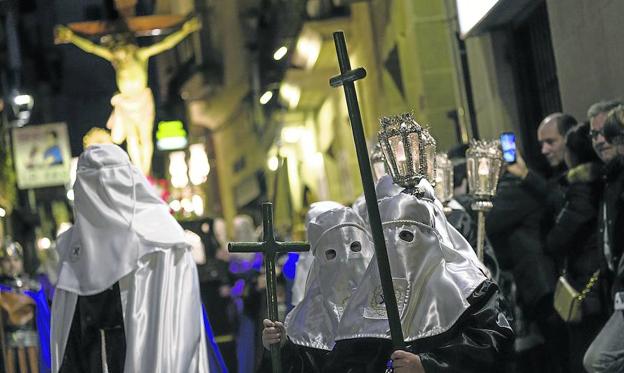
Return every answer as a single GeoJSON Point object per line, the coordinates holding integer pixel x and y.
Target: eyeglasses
{"type": "Point", "coordinates": [595, 133]}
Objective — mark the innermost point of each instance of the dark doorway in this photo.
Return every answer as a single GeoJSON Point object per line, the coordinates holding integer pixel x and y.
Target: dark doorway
{"type": "Point", "coordinates": [536, 78]}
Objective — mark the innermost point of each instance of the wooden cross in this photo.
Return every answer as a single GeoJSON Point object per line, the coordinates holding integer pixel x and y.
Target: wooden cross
{"type": "Point", "coordinates": [126, 21]}
{"type": "Point", "coordinates": [151, 25]}
{"type": "Point", "coordinates": [270, 248]}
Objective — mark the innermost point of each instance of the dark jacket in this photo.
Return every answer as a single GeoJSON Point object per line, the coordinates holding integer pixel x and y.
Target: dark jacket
{"type": "Point", "coordinates": [613, 201]}
{"type": "Point", "coordinates": [573, 238]}
{"type": "Point", "coordinates": [295, 359]}
{"type": "Point", "coordinates": [514, 227]}
{"type": "Point", "coordinates": [549, 192]}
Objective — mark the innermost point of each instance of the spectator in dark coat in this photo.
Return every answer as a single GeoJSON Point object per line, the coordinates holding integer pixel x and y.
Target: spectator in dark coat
{"type": "Point", "coordinates": [524, 211]}
{"type": "Point", "coordinates": [574, 238]}
{"type": "Point", "coordinates": [606, 353]}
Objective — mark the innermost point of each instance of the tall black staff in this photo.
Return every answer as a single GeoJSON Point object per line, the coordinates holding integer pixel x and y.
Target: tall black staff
{"type": "Point", "coordinates": [270, 248]}
{"type": "Point", "coordinates": [346, 79]}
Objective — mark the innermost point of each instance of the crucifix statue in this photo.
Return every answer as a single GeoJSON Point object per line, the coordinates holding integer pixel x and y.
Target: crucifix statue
{"type": "Point", "coordinates": [270, 248]}
{"type": "Point", "coordinates": [132, 119]}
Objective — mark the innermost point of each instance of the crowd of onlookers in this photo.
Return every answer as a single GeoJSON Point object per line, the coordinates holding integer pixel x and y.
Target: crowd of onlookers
{"type": "Point", "coordinates": [560, 237]}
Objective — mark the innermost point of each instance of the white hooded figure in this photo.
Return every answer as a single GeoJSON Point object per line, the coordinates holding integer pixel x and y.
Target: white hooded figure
{"type": "Point", "coordinates": [448, 309]}
{"type": "Point", "coordinates": [128, 255]}
{"type": "Point", "coordinates": [306, 258]}
{"type": "Point", "coordinates": [244, 231]}
{"type": "Point", "coordinates": [434, 271]}
{"type": "Point", "coordinates": [342, 249]}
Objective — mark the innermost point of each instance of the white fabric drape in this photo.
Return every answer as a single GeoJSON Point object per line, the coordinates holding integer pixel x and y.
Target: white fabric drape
{"type": "Point", "coordinates": [124, 233]}
{"type": "Point", "coordinates": [162, 316]}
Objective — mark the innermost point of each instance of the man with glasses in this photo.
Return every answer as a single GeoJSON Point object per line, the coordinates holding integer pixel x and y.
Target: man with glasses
{"type": "Point", "coordinates": [606, 353]}
{"type": "Point", "coordinates": [597, 115]}
{"type": "Point", "coordinates": [611, 155]}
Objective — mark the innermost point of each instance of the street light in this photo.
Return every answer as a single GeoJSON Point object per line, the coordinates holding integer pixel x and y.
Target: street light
{"type": "Point", "coordinates": [266, 97]}
{"type": "Point", "coordinates": [22, 105]}
{"type": "Point", "coordinates": [280, 53]}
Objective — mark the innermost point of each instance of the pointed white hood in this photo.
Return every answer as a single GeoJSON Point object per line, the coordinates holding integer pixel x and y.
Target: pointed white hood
{"type": "Point", "coordinates": [119, 218]}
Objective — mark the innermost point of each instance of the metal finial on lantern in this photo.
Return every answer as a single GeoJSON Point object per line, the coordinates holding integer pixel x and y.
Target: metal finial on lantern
{"type": "Point", "coordinates": [378, 162]}
{"type": "Point", "coordinates": [444, 178]}
{"type": "Point", "coordinates": [484, 160]}
{"type": "Point", "coordinates": [402, 142]}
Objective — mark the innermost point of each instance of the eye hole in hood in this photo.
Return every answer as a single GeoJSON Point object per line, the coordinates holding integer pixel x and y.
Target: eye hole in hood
{"type": "Point", "coordinates": [330, 254]}
{"type": "Point", "coordinates": [406, 236]}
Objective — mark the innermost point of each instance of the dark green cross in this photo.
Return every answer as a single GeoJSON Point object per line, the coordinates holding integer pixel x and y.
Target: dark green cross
{"type": "Point", "coordinates": [270, 248]}
{"type": "Point", "coordinates": [347, 79]}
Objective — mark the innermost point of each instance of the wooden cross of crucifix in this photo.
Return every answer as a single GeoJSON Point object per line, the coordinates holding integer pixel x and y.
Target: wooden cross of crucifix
{"type": "Point", "coordinates": [270, 248]}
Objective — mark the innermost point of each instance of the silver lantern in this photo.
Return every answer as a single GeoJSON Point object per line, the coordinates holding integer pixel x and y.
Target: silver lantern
{"type": "Point", "coordinates": [443, 178]}
{"type": "Point", "coordinates": [484, 160]}
{"type": "Point", "coordinates": [403, 142]}
{"type": "Point", "coordinates": [430, 156]}
{"type": "Point", "coordinates": [378, 162]}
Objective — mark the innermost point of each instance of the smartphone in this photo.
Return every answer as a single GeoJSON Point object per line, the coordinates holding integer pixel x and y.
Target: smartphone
{"type": "Point", "coordinates": [508, 143]}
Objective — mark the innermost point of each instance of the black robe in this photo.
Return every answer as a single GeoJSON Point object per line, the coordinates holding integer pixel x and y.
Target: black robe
{"type": "Point", "coordinates": [479, 342]}
{"type": "Point", "coordinates": [296, 359]}
{"type": "Point", "coordinates": [96, 315]}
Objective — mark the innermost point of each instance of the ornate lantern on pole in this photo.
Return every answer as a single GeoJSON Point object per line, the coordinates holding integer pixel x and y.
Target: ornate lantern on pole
{"type": "Point", "coordinates": [406, 146]}
{"type": "Point", "coordinates": [443, 178]}
{"type": "Point", "coordinates": [483, 164]}
{"type": "Point", "coordinates": [430, 156]}
{"type": "Point", "coordinates": [378, 162]}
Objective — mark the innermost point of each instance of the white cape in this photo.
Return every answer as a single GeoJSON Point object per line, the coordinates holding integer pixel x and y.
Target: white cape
{"type": "Point", "coordinates": [162, 316]}
{"type": "Point", "coordinates": [124, 233]}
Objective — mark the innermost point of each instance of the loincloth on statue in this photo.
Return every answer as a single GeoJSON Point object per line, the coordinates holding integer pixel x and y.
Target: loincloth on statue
{"type": "Point", "coordinates": [131, 113]}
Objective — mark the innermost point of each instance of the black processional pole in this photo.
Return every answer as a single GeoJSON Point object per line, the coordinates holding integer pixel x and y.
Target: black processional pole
{"type": "Point", "coordinates": [346, 79]}
{"type": "Point", "coordinates": [270, 248]}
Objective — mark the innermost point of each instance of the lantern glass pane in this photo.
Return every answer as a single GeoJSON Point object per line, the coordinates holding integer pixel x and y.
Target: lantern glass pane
{"type": "Point", "coordinates": [439, 185]}
{"type": "Point", "coordinates": [444, 179]}
{"type": "Point", "coordinates": [483, 176]}
{"type": "Point", "coordinates": [430, 157]}
{"type": "Point", "coordinates": [414, 144]}
{"type": "Point", "coordinates": [496, 165]}
{"type": "Point", "coordinates": [471, 173]}
{"type": "Point", "coordinates": [398, 152]}
{"type": "Point", "coordinates": [387, 151]}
